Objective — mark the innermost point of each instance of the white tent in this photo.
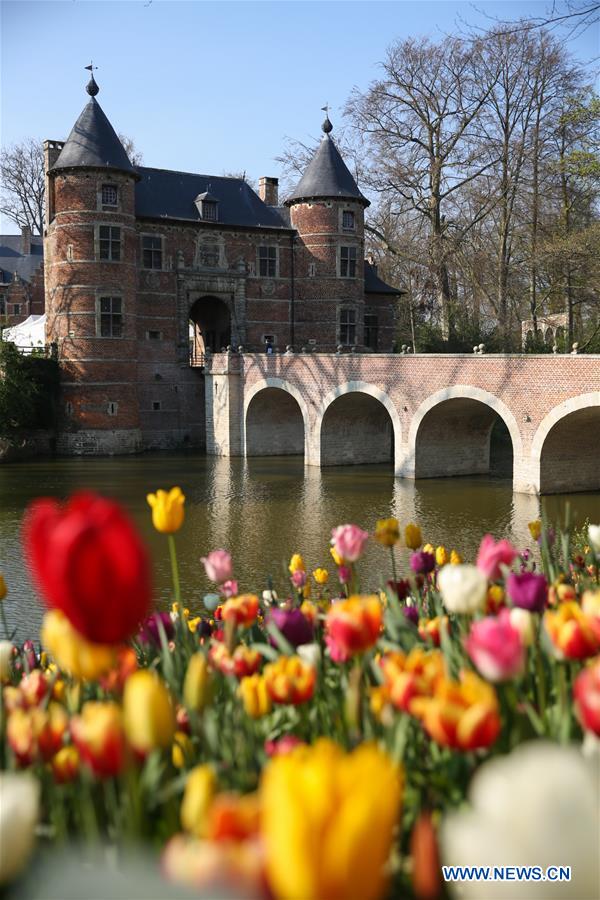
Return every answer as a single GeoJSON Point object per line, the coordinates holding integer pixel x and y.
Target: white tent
{"type": "Point", "coordinates": [28, 335]}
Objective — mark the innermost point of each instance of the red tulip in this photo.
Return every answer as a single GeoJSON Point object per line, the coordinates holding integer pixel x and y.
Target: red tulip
{"type": "Point", "coordinates": [89, 561]}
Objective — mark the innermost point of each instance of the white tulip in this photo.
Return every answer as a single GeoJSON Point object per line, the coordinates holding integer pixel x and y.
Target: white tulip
{"type": "Point", "coordinates": [594, 536]}
{"type": "Point", "coordinates": [310, 653]}
{"type": "Point", "coordinates": [6, 651]}
{"type": "Point", "coordinates": [522, 621]}
{"type": "Point", "coordinates": [538, 806]}
{"type": "Point", "coordinates": [463, 588]}
{"type": "Point", "coordinates": [19, 810]}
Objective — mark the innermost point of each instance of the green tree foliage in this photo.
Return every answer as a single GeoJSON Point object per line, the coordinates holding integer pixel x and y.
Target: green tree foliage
{"type": "Point", "coordinates": [28, 387]}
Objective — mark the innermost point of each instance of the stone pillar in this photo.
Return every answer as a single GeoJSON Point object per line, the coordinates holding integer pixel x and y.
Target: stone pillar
{"type": "Point", "coordinates": [526, 475]}
{"type": "Point", "coordinates": [224, 408]}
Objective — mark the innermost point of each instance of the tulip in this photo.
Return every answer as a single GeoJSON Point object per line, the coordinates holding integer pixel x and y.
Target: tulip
{"type": "Point", "coordinates": [412, 536]}
{"type": "Point", "coordinates": [586, 691]}
{"type": "Point", "coordinates": [463, 588]}
{"type": "Point", "coordinates": [114, 680]}
{"type": "Point", "coordinates": [430, 629]}
{"type": "Point", "coordinates": [182, 750]}
{"type": "Point", "coordinates": [65, 764]}
{"type": "Point", "coordinates": [283, 745]}
{"type": "Point", "coordinates": [230, 588]}
{"type": "Point", "coordinates": [150, 631]}
{"type": "Point", "coordinates": [353, 626]}
{"type": "Point", "coordinates": [89, 562]}
{"type": "Point", "coordinates": [338, 560]}
{"type": "Point", "coordinates": [590, 603]}
{"type": "Point", "coordinates": [98, 735]}
{"type": "Point", "coordinates": [494, 600]}
{"type": "Point", "coordinates": [6, 655]}
{"type": "Point", "coordinates": [34, 687]}
{"type": "Point", "coordinates": [242, 662]}
{"type": "Point", "coordinates": [535, 529]}
{"type": "Point", "coordinates": [148, 714]}
{"type": "Point", "coordinates": [35, 733]}
{"type": "Point", "coordinates": [298, 578]}
{"type": "Point", "coordinates": [167, 510]}
{"type": "Point", "coordinates": [3, 589]}
{"type": "Point", "coordinates": [463, 715]}
{"type": "Point", "coordinates": [321, 576]}
{"type": "Point", "coordinates": [387, 532]}
{"type": "Point", "coordinates": [455, 558]}
{"type": "Point", "coordinates": [293, 624]}
{"type": "Point", "coordinates": [255, 696]}
{"type": "Point", "coordinates": [401, 588]}
{"type": "Point", "coordinates": [421, 562]}
{"type": "Point", "coordinates": [233, 817]}
{"type": "Point", "coordinates": [19, 811]}
{"type": "Point", "coordinates": [573, 634]}
{"type": "Point", "coordinates": [309, 653]}
{"type": "Point", "coordinates": [200, 865]}
{"type": "Point", "coordinates": [561, 593]}
{"type": "Point", "coordinates": [409, 676]}
{"type": "Point", "coordinates": [290, 680]}
{"type": "Point", "coordinates": [296, 564]}
{"type": "Point", "coordinates": [594, 537]}
{"type": "Point", "coordinates": [518, 808]}
{"type": "Point", "coordinates": [73, 653]}
{"type": "Point", "coordinates": [197, 683]}
{"type": "Point", "coordinates": [522, 621]}
{"type": "Point", "coordinates": [495, 647]}
{"type": "Point", "coordinates": [198, 795]}
{"type": "Point", "coordinates": [349, 542]}
{"type": "Point", "coordinates": [527, 590]}
{"type": "Point", "coordinates": [424, 851]}
{"type": "Point", "coordinates": [492, 556]}
{"type": "Point", "coordinates": [412, 614]}
{"type": "Point", "coordinates": [241, 610]}
{"type": "Point", "coordinates": [344, 574]}
{"type": "Point", "coordinates": [442, 557]}
{"type": "Point", "coordinates": [350, 801]}
{"type": "Point", "coordinates": [217, 566]}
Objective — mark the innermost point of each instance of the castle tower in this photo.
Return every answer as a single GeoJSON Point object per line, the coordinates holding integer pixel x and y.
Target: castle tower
{"type": "Point", "coordinates": [327, 211]}
{"type": "Point", "coordinates": [90, 274]}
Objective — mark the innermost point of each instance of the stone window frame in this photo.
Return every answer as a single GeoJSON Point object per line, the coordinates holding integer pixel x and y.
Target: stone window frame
{"type": "Point", "coordinates": [16, 309]}
{"type": "Point", "coordinates": [112, 295]}
{"type": "Point", "coordinates": [161, 250]}
{"type": "Point", "coordinates": [350, 229]}
{"type": "Point", "coordinates": [352, 269]}
{"type": "Point", "coordinates": [153, 334]}
{"type": "Point", "coordinates": [267, 259]}
{"type": "Point", "coordinates": [108, 207]}
{"type": "Point", "coordinates": [97, 239]}
{"type": "Point", "coordinates": [342, 310]}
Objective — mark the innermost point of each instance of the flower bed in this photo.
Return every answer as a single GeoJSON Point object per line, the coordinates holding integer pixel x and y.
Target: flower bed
{"type": "Point", "coordinates": [314, 742]}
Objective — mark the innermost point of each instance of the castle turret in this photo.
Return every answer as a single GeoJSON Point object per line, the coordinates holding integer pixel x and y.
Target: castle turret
{"type": "Point", "coordinates": [327, 210]}
{"type": "Point", "coordinates": [90, 256]}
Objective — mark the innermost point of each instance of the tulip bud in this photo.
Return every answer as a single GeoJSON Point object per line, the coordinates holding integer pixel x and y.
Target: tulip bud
{"type": "Point", "coordinates": [65, 764]}
{"type": "Point", "coordinates": [196, 686]}
{"type": "Point", "coordinates": [426, 860]}
{"type": "Point", "coordinates": [412, 536]}
{"type": "Point", "coordinates": [148, 714]}
{"type": "Point", "coordinates": [255, 696]}
{"type": "Point", "coordinates": [182, 750]}
{"type": "Point", "coordinates": [197, 797]}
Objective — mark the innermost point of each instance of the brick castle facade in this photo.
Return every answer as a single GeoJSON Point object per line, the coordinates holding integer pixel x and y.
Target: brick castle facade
{"type": "Point", "coordinates": [147, 270]}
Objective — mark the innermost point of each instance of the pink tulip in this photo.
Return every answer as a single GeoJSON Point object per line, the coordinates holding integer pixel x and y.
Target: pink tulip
{"type": "Point", "coordinates": [217, 565]}
{"type": "Point", "coordinates": [298, 578]}
{"type": "Point", "coordinates": [492, 555]}
{"type": "Point", "coordinates": [229, 588]}
{"type": "Point", "coordinates": [344, 574]}
{"type": "Point", "coordinates": [349, 541]}
{"type": "Point", "coordinates": [496, 648]}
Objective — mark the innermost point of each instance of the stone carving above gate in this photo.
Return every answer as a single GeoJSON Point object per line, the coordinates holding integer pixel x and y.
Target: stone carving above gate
{"type": "Point", "coordinates": [210, 252]}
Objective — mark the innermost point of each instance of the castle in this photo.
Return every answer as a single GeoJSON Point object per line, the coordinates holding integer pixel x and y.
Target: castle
{"type": "Point", "coordinates": [147, 270]}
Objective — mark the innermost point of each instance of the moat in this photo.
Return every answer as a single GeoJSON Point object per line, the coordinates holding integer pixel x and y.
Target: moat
{"type": "Point", "coordinates": [264, 509]}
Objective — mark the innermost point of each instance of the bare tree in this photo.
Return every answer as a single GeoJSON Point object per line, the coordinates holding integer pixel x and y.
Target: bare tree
{"type": "Point", "coordinates": [22, 175]}
{"type": "Point", "coordinates": [135, 156]}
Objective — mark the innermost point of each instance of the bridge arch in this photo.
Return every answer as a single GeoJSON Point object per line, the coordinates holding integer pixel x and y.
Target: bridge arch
{"type": "Point", "coordinates": [450, 433]}
{"type": "Point", "coordinates": [275, 420]}
{"type": "Point", "coordinates": [357, 423]}
{"type": "Point", "coordinates": [564, 450]}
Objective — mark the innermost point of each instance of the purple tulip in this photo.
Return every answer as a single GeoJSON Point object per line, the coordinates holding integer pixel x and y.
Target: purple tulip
{"type": "Point", "coordinates": [400, 588]}
{"type": "Point", "coordinates": [527, 591]}
{"type": "Point", "coordinates": [412, 614]}
{"type": "Point", "coordinates": [422, 562]}
{"type": "Point", "coordinates": [293, 625]}
{"type": "Point", "coordinates": [149, 633]}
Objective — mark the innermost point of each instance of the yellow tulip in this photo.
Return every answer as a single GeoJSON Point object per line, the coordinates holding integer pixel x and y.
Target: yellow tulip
{"type": "Point", "coordinates": [412, 536]}
{"type": "Point", "coordinates": [182, 749]}
{"type": "Point", "coordinates": [196, 685]}
{"type": "Point", "coordinates": [255, 696]}
{"type": "Point", "coordinates": [198, 795]}
{"type": "Point", "coordinates": [148, 713]}
{"type": "Point", "coordinates": [455, 558]}
{"type": "Point", "coordinates": [429, 548]}
{"type": "Point", "coordinates": [327, 821]}
{"type": "Point", "coordinates": [73, 653]}
{"type": "Point", "coordinates": [3, 589]}
{"type": "Point", "coordinates": [387, 532]}
{"type": "Point", "coordinates": [338, 560]}
{"type": "Point", "coordinates": [167, 510]}
{"type": "Point", "coordinates": [321, 576]}
{"type": "Point", "coordinates": [441, 555]}
{"type": "Point", "coordinates": [535, 529]}
{"type": "Point", "coordinates": [296, 564]}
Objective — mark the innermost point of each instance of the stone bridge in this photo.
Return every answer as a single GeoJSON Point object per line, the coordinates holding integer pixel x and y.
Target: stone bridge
{"type": "Point", "coordinates": [430, 415]}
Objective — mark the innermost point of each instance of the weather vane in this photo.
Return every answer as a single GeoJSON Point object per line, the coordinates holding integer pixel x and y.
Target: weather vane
{"type": "Point", "coordinates": [91, 67]}
{"type": "Point", "coordinates": [326, 109]}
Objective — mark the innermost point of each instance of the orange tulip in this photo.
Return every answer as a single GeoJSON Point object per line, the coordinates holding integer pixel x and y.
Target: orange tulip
{"type": "Point", "coordinates": [353, 626]}
{"type": "Point", "coordinates": [65, 764]}
{"type": "Point", "coordinates": [410, 676]}
{"type": "Point", "coordinates": [241, 663]}
{"type": "Point", "coordinates": [99, 736]}
{"type": "Point", "coordinates": [290, 680]}
{"type": "Point", "coordinates": [241, 610]}
{"type": "Point", "coordinates": [462, 715]}
{"type": "Point", "coordinates": [574, 634]}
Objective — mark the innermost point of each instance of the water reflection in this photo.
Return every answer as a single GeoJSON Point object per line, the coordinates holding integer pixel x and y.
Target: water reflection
{"type": "Point", "coordinates": [262, 509]}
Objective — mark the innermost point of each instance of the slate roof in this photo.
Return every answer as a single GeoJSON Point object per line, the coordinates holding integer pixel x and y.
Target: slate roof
{"type": "Point", "coordinates": [376, 285]}
{"type": "Point", "coordinates": [327, 176]}
{"type": "Point", "coordinates": [12, 260]}
{"type": "Point", "coordinates": [165, 194]}
{"type": "Point", "coordinates": [93, 143]}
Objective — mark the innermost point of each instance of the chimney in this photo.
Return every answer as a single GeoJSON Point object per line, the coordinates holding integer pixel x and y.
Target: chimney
{"type": "Point", "coordinates": [25, 240]}
{"type": "Point", "coordinates": [268, 190]}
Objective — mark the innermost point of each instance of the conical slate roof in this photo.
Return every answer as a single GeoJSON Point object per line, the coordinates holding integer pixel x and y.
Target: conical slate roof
{"type": "Point", "coordinates": [93, 143]}
{"type": "Point", "coordinates": [327, 175]}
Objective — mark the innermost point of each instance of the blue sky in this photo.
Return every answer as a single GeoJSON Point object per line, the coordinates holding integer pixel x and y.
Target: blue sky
{"type": "Point", "coordinates": [211, 86]}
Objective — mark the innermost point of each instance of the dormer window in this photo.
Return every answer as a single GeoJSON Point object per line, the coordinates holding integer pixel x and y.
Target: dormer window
{"type": "Point", "coordinates": [110, 196]}
{"type": "Point", "coordinates": [207, 207]}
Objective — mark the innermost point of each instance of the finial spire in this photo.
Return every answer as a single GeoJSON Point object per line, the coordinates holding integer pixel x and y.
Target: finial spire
{"type": "Point", "coordinates": [326, 127]}
{"type": "Point", "coordinates": [91, 87]}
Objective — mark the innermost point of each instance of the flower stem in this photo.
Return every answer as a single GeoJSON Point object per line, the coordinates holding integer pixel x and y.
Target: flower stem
{"type": "Point", "coordinates": [174, 568]}
{"type": "Point", "coordinates": [394, 575]}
